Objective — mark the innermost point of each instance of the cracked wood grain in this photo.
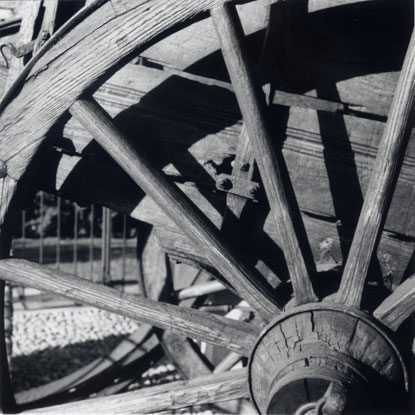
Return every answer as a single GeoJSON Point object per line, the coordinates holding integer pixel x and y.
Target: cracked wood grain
{"type": "Point", "coordinates": [249, 284]}
{"type": "Point", "coordinates": [381, 186]}
{"type": "Point", "coordinates": [233, 335]}
{"type": "Point", "coordinates": [175, 395]}
{"type": "Point", "coordinates": [252, 104]}
{"type": "Point", "coordinates": [396, 308]}
{"type": "Point", "coordinates": [62, 74]}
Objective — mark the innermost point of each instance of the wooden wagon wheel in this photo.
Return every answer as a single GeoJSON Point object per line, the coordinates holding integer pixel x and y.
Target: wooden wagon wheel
{"type": "Point", "coordinates": [329, 355]}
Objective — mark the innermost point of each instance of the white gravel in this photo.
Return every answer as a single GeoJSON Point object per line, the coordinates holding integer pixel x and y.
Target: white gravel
{"type": "Point", "coordinates": [34, 331]}
{"type": "Point", "coordinates": [49, 344]}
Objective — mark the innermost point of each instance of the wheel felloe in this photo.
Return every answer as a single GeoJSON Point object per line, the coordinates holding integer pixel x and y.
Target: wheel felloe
{"type": "Point", "coordinates": [322, 358]}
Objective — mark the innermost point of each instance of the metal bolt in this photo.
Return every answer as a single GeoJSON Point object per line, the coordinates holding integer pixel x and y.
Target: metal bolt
{"type": "Point", "coordinates": [225, 184]}
{"type": "Point", "coordinates": [253, 191]}
{"type": "Point", "coordinates": [244, 167]}
{"type": "Point", "coordinates": [3, 169]}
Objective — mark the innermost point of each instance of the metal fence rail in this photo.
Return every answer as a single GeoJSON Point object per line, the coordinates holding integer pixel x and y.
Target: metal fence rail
{"type": "Point", "coordinates": [83, 241]}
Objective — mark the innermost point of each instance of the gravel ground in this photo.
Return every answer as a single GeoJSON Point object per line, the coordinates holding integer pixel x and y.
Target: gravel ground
{"type": "Point", "coordinates": [50, 344]}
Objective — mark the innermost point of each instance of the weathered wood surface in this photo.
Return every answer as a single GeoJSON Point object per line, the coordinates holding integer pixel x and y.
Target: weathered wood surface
{"type": "Point", "coordinates": [177, 206]}
{"type": "Point", "coordinates": [381, 186]}
{"type": "Point", "coordinates": [29, 13]}
{"type": "Point", "coordinates": [393, 257]}
{"type": "Point", "coordinates": [319, 144]}
{"type": "Point", "coordinates": [234, 335]}
{"type": "Point", "coordinates": [110, 186]}
{"type": "Point", "coordinates": [327, 338]}
{"type": "Point", "coordinates": [56, 81]}
{"type": "Point", "coordinates": [303, 125]}
{"type": "Point", "coordinates": [398, 306]}
{"type": "Point", "coordinates": [175, 132]}
{"type": "Point", "coordinates": [160, 277]}
{"type": "Point", "coordinates": [175, 395]}
{"type": "Point", "coordinates": [253, 108]}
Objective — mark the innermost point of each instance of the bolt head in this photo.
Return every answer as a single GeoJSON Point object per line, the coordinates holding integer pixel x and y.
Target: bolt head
{"type": "Point", "coordinates": [244, 167]}
{"type": "Point", "coordinates": [225, 184]}
{"type": "Point", "coordinates": [253, 191]}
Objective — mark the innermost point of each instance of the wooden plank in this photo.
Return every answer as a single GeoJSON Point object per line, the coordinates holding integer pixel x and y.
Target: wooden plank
{"type": "Point", "coordinates": [394, 255]}
{"type": "Point", "coordinates": [398, 306]}
{"type": "Point", "coordinates": [252, 105]}
{"type": "Point", "coordinates": [384, 176]}
{"type": "Point", "coordinates": [236, 336]}
{"type": "Point", "coordinates": [148, 95]}
{"type": "Point", "coordinates": [110, 186]}
{"type": "Point", "coordinates": [60, 76]}
{"type": "Point", "coordinates": [29, 12]}
{"type": "Point", "coordinates": [175, 395]}
{"type": "Point", "coordinates": [187, 216]}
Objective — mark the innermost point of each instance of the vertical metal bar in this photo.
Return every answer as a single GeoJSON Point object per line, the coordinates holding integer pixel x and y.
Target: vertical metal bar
{"type": "Point", "coordinates": [21, 289]}
{"type": "Point", "coordinates": [42, 201]}
{"type": "Point", "coordinates": [124, 250]}
{"type": "Point", "coordinates": [23, 246]}
{"type": "Point", "coordinates": [106, 245]}
{"type": "Point", "coordinates": [75, 239]}
{"type": "Point", "coordinates": [8, 318]}
{"type": "Point", "coordinates": [58, 233]}
{"type": "Point", "coordinates": [91, 244]}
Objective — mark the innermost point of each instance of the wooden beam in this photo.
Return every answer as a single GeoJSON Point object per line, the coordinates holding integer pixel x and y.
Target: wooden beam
{"type": "Point", "coordinates": [189, 322]}
{"type": "Point", "coordinates": [398, 306]}
{"type": "Point", "coordinates": [175, 395]}
{"type": "Point", "coordinates": [383, 179]}
{"type": "Point", "coordinates": [252, 104]}
{"type": "Point", "coordinates": [249, 284]}
{"type": "Point", "coordinates": [63, 69]}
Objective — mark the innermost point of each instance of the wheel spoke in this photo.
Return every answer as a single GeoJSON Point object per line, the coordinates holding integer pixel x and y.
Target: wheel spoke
{"type": "Point", "coordinates": [383, 179]}
{"type": "Point", "coordinates": [212, 329]}
{"type": "Point", "coordinates": [175, 395]}
{"type": "Point", "coordinates": [252, 103]}
{"type": "Point", "coordinates": [197, 290]}
{"type": "Point", "coordinates": [398, 306]}
{"type": "Point", "coordinates": [249, 284]}
{"type": "Point", "coordinates": [228, 362]}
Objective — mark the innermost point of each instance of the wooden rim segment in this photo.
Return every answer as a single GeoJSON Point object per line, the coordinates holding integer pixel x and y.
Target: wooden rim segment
{"type": "Point", "coordinates": [57, 81]}
{"type": "Point", "coordinates": [109, 34]}
{"type": "Point", "coordinates": [209, 389]}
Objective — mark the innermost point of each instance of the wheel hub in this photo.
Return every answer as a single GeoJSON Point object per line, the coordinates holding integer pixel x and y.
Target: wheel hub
{"type": "Point", "coordinates": [322, 359]}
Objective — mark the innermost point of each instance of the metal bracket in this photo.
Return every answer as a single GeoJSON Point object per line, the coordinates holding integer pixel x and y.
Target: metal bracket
{"type": "Point", "coordinates": [237, 186]}
{"type": "Point", "coordinates": [23, 50]}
